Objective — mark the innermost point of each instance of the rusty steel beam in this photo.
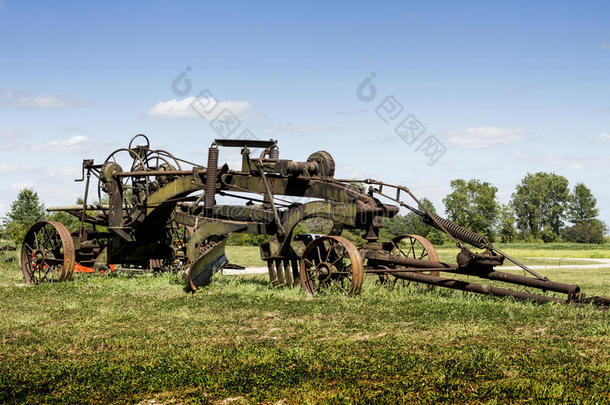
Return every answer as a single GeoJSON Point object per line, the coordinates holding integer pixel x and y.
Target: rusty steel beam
{"type": "Point", "coordinates": [474, 287]}
{"type": "Point", "coordinates": [409, 262]}
{"type": "Point", "coordinates": [155, 173]}
{"type": "Point", "coordinates": [572, 290]}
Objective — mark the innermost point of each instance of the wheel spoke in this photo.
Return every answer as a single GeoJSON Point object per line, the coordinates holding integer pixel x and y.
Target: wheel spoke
{"type": "Point", "coordinates": [403, 253]}
{"type": "Point", "coordinates": [44, 277]}
{"type": "Point", "coordinates": [341, 256]}
{"type": "Point", "coordinates": [338, 285]}
{"type": "Point", "coordinates": [327, 255]}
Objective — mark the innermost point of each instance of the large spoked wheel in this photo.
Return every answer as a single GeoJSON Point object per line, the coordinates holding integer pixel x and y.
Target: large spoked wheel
{"type": "Point", "coordinates": [331, 262]}
{"type": "Point", "coordinates": [47, 253]}
{"type": "Point", "coordinates": [415, 247]}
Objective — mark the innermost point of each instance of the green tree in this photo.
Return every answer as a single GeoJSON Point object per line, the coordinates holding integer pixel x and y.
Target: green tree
{"type": "Point", "coordinates": [540, 202]}
{"type": "Point", "coordinates": [24, 212]}
{"type": "Point", "coordinates": [71, 222]}
{"type": "Point", "coordinates": [413, 224]}
{"type": "Point", "coordinates": [473, 205]}
{"type": "Point", "coordinates": [582, 206]}
{"type": "Point", "coordinates": [506, 223]}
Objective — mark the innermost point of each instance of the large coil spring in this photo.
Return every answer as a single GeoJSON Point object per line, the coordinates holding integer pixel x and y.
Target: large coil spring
{"type": "Point", "coordinates": [457, 231]}
{"type": "Point", "coordinates": [274, 153]}
{"type": "Point", "coordinates": [211, 177]}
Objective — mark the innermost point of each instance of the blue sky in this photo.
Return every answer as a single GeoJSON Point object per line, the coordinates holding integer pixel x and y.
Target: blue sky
{"type": "Point", "coordinates": [505, 89]}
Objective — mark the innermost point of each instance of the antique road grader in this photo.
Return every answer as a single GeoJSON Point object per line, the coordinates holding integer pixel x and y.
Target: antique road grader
{"type": "Point", "coordinates": [138, 211]}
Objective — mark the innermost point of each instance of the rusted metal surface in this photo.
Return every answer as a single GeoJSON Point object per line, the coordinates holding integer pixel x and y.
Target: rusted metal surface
{"type": "Point", "coordinates": [475, 287]}
{"type": "Point", "coordinates": [47, 253]}
{"type": "Point", "coordinates": [144, 195]}
{"type": "Point", "coordinates": [331, 262]}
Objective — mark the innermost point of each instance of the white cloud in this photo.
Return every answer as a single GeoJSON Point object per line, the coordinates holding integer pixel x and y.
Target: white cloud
{"type": "Point", "coordinates": [73, 129]}
{"type": "Point", "coordinates": [562, 162]}
{"type": "Point", "coordinates": [484, 137]}
{"type": "Point", "coordinates": [45, 101]}
{"type": "Point", "coordinates": [295, 129]}
{"type": "Point", "coordinates": [63, 171]}
{"type": "Point", "coordinates": [574, 163]}
{"type": "Point", "coordinates": [21, 185]}
{"type": "Point", "coordinates": [74, 143]}
{"type": "Point", "coordinates": [6, 168]}
{"type": "Point", "coordinates": [604, 137]}
{"type": "Point", "coordinates": [10, 139]}
{"type": "Point", "coordinates": [192, 107]}
{"type": "Point", "coordinates": [605, 45]}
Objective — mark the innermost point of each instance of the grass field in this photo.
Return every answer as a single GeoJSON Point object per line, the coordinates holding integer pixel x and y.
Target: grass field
{"type": "Point", "coordinates": [144, 340]}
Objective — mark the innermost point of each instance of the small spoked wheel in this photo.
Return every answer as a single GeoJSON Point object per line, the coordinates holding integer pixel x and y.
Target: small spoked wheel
{"type": "Point", "coordinates": [415, 247]}
{"type": "Point", "coordinates": [331, 262]}
{"type": "Point", "coordinates": [47, 253]}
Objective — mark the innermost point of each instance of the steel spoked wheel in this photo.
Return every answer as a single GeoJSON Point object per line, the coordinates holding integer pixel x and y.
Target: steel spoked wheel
{"type": "Point", "coordinates": [415, 247]}
{"type": "Point", "coordinates": [47, 253]}
{"type": "Point", "coordinates": [331, 262]}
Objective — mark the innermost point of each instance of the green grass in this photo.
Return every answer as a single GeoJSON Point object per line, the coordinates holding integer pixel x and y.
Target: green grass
{"type": "Point", "coordinates": [247, 256]}
{"type": "Point", "coordinates": [136, 339]}
{"type": "Point", "coordinates": [521, 250]}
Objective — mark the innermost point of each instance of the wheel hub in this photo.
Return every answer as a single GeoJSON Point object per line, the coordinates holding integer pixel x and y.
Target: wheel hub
{"type": "Point", "coordinates": [39, 257]}
{"type": "Point", "coordinates": [324, 271]}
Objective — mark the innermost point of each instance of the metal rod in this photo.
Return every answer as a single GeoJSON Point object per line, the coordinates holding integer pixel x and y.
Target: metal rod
{"type": "Point", "coordinates": [409, 262]}
{"type": "Point", "coordinates": [474, 287]}
{"type": "Point", "coordinates": [82, 216]}
{"type": "Point", "coordinates": [572, 290]}
{"type": "Point", "coordinates": [368, 270]}
{"type": "Point", "coordinates": [146, 173]}
{"type": "Point", "coordinates": [419, 205]}
{"type": "Point", "coordinates": [270, 196]}
{"type": "Point", "coordinates": [518, 263]}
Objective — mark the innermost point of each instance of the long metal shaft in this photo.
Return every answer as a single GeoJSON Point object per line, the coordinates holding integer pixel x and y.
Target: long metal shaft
{"type": "Point", "coordinates": [475, 287]}
{"type": "Point", "coordinates": [572, 290]}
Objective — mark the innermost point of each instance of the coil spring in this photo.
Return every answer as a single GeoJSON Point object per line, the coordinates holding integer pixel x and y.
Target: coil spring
{"type": "Point", "coordinates": [457, 231]}
{"type": "Point", "coordinates": [274, 153]}
{"type": "Point", "coordinates": [210, 178]}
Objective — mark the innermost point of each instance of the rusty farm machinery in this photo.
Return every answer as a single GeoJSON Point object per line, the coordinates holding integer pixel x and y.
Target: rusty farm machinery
{"type": "Point", "coordinates": [139, 211]}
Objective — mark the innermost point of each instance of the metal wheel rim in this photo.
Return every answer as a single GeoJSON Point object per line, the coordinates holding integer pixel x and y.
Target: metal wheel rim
{"type": "Point", "coordinates": [341, 260]}
{"type": "Point", "coordinates": [428, 250]}
{"type": "Point", "coordinates": [47, 253]}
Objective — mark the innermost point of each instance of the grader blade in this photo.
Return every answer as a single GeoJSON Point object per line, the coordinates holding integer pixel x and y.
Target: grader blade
{"type": "Point", "coordinates": [207, 264]}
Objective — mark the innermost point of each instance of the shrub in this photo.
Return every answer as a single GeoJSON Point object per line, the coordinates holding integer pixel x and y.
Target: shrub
{"type": "Point", "coordinates": [244, 239]}
{"type": "Point", "coordinates": [548, 236]}
{"type": "Point", "coordinates": [353, 236]}
{"type": "Point", "coordinates": [585, 232]}
{"type": "Point", "coordinates": [436, 237]}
